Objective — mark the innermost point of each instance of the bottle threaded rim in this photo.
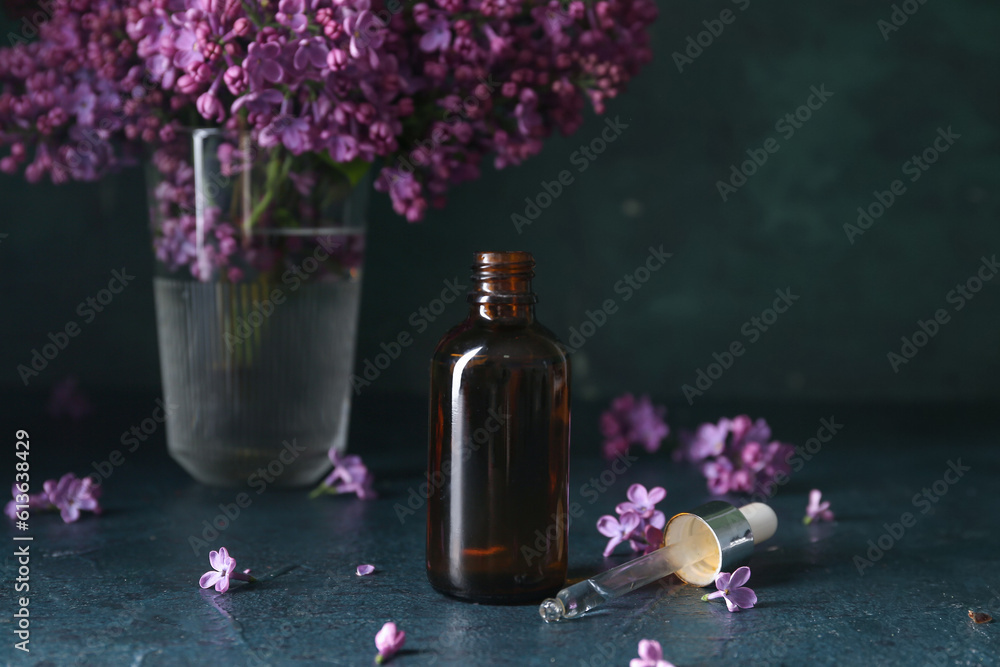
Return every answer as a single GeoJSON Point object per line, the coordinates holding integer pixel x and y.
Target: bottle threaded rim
{"type": "Point", "coordinates": [502, 277]}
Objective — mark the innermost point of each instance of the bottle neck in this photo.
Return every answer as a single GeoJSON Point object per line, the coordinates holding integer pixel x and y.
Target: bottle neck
{"type": "Point", "coordinates": [501, 287]}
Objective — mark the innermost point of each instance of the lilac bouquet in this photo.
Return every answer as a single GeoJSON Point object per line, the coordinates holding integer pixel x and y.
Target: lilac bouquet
{"type": "Point", "coordinates": [736, 455]}
{"type": "Point", "coordinates": [321, 86]}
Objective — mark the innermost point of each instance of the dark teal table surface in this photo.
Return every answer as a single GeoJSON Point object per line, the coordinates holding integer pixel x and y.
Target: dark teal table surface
{"type": "Point", "coordinates": [121, 589]}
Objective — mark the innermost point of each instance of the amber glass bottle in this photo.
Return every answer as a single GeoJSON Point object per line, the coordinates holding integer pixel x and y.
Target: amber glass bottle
{"type": "Point", "coordinates": [499, 444]}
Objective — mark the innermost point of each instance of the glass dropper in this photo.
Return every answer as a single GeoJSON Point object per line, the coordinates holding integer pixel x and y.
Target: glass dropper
{"type": "Point", "coordinates": [697, 545]}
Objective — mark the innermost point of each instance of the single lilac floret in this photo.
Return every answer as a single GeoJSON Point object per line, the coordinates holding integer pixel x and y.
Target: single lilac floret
{"type": "Point", "coordinates": [650, 655]}
{"type": "Point", "coordinates": [643, 503]}
{"type": "Point", "coordinates": [388, 641]}
{"type": "Point", "coordinates": [816, 510]}
{"type": "Point", "coordinates": [36, 502]}
{"type": "Point", "coordinates": [438, 35]}
{"type": "Point", "coordinates": [652, 539]}
{"type": "Point", "coordinates": [71, 495]}
{"type": "Point", "coordinates": [709, 440]}
{"type": "Point", "coordinates": [224, 566]}
{"type": "Point", "coordinates": [349, 475]}
{"type": "Point", "coordinates": [731, 589]}
{"type": "Point", "coordinates": [365, 569]}
{"type": "Point", "coordinates": [619, 530]}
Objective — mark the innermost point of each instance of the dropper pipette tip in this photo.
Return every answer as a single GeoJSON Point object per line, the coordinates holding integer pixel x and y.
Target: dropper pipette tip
{"type": "Point", "coordinates": [551, 610]}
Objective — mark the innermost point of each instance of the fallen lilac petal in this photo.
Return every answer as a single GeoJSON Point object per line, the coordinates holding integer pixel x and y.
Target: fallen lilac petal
{"type": "Point", "coordinates": [388, 641]}
{"type": "Point", "coordinates": [654, 537]}
{"type": "Point", "coordinates": [739, 577]}
{"type": "Point", "coordinates": [817, 510]}
{"type": "Point", "coordinates": [650, 655]}
{"type": "Point", "coordinates": [349, 475]}
{"type": "Point", "coordinates": [365, 569]}
{"type": "Point", "coordinates": [743, 597]}
{"type": "Point", "coordinates": [209, 579]}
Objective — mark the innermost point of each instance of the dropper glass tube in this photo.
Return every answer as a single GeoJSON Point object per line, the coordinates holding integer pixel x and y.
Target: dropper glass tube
{"type": "Point", "coordinates": [697, 545]}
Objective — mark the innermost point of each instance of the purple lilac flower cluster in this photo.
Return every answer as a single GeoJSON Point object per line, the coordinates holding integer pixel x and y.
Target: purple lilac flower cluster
{"type": "Point", "coordinates": [638, 522]}
{"type": "Point", "coordinates": [736, 455]}
{"type": "Point", "coordinates": [67, 495]}
{"type": "Point", "coordinates": [630, 421]}
{"type": "Point", "coordinates": [66, 98]}
{"type": "Point", "coordinates": [431, 88]}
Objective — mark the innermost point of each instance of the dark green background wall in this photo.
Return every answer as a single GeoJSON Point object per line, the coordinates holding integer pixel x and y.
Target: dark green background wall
{"type": "Point", "coordinates": [655, 185]}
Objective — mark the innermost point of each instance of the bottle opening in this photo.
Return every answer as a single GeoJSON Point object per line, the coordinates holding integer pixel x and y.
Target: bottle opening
{"type": "Point", "coordinates": [502, 277]}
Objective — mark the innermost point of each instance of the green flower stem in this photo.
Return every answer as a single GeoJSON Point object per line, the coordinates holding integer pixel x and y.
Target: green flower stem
{"type": "Point", "coordinates": [323, 490]}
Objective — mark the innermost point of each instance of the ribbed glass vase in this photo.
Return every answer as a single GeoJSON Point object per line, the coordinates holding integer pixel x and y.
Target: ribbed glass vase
{"type": "Point", "coordinates": [259, 255]}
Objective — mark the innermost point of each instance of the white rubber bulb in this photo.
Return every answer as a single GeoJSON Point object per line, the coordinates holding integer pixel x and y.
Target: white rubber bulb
{"type": "Point", "coordinates": [763, 521]}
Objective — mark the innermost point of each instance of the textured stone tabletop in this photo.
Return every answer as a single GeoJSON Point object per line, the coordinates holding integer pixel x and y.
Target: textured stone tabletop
{"type": "Point", "coordinates": [121, 589]}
